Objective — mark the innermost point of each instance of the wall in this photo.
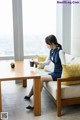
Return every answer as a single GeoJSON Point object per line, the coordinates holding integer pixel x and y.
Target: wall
{"type": "Point", "coordinates": [75, 30]}
{"type": "Point", "coordinates": [68, 27]}
{"type": "Point", "coordinates": [59, 22]}
{"type": "Point", "coordinates": [63, 30]}
{"type": "Point", "coordinates": [18, 30]}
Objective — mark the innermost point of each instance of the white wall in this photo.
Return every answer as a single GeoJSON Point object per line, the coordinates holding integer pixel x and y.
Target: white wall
{"type": "Point", "coordinates": [63, 23]}
{"type": "Point", "coordinates": [17, 29]}
{"type": "Point", "coordinates": [68, 27]}
{"type": "Point", "coordinates": [59, 22]}
{"type": "Point", "coordinates": [66, 41]}
{"type": "Point", "coordinates": [75, 30]}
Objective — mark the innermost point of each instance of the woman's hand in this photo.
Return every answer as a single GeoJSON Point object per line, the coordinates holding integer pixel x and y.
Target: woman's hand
{"type": "Point", "coordinates": [36, 63]}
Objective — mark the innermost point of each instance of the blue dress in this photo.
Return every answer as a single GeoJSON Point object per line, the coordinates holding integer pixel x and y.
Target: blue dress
{"type": "Point", "coordinates": [54, 57]}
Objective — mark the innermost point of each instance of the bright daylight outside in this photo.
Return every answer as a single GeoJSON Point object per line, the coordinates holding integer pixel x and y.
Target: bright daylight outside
{"type": "Point", "coordinates": [39, 20]}
{"type": "Point", "coordinates": [6, 28]}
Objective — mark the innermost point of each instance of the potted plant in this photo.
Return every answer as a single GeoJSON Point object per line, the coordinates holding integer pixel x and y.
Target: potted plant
{"type": "Point", "coordinates": [12, 65]}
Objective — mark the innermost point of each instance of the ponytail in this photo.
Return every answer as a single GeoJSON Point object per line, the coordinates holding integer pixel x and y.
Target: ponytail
{"type": "Point", "coordinates": [59, 45]}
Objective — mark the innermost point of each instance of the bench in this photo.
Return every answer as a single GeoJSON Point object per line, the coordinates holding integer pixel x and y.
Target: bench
{"type": "Point", "coordinates": [63, 94]}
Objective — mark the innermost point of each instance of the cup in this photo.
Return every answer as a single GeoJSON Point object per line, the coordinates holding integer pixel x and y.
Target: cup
{"type": "Point", "coordinates": [31, 63]}
{"type": "Point", "coordinates": [35, 65]}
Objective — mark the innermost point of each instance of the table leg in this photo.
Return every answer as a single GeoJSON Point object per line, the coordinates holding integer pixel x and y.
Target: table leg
{"type": "Point", "coordinates": [24, 83]}
{"type": "Point", "coordinates": [37, 96]}
{"type": "Point", "coordinates": [0, 98]}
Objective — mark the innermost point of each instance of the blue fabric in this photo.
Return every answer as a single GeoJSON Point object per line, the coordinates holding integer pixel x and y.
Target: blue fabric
{"type": "Point", "coordinates": [54, 57]}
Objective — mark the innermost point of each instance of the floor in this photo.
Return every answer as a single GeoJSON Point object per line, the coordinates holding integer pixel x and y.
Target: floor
{"type": "Point", "coordinates": [15, 105]}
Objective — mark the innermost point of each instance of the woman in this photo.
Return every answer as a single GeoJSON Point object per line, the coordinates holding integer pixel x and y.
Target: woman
{"type": "Point", "coordinates": [57, 57]}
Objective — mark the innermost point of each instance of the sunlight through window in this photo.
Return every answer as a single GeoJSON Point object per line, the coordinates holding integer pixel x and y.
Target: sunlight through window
{"type": "Point", "coordinates": [39, 20]}
{"type": "Point", "coordinates": [6, 28]}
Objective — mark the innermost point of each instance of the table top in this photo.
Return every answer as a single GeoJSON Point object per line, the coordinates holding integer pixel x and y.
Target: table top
{"type": "Point", "coordinates": [22, 70]}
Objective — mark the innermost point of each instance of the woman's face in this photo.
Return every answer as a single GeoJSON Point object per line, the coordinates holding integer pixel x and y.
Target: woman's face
{"type": "Point", "coordinates": [48, 46]}
{"type": "Point", "coordinates": [51, 46]}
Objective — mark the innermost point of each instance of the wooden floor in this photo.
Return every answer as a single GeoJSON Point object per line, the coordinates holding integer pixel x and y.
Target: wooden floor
{"type": "Point", "coordinates": [14, 104]}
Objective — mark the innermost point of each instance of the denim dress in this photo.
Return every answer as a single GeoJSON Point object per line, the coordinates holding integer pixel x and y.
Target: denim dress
{"type": "Point", "coordinates": [54, 57]}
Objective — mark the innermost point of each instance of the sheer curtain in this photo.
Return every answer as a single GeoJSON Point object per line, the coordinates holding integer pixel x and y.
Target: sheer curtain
{"type": "Point", "coordinates": [6, 28]}
{"type": "Point", "coordinates": [39, 20]}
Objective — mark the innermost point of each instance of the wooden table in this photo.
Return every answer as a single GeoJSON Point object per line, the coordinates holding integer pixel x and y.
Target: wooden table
{"type": "Point", "coordinates": [23, 72]}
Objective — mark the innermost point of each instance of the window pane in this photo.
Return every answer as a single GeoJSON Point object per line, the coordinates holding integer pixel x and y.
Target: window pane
{"type": "Point", "coordinates": [39, 20]}
{"type": "Point", "coordinates": [6, 28]}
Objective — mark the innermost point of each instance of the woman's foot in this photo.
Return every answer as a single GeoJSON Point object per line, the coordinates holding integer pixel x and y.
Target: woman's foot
{"type": "Point", "coordinates": [29, 107]}
{"type": "Point", "coordinates": [27, 98]}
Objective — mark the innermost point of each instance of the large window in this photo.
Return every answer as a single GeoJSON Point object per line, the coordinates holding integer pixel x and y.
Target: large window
{"type": "Point", "coordinates": [39, 20]}
{"type": "Point", "coordinates": [6, 28]}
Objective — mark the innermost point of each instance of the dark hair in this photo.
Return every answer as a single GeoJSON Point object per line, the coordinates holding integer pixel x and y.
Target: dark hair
{"type": "Point", "coordinates": [52, 39]}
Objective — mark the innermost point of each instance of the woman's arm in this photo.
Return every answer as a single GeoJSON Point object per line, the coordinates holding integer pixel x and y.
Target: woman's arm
{"type": "Point", "coordinates": [46, 62]}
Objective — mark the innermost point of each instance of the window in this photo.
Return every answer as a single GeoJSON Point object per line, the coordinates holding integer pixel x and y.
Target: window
{"type": "Point", "coordinates": [39, 20]}
{"type": "Point", "coordinates": [6, 28]}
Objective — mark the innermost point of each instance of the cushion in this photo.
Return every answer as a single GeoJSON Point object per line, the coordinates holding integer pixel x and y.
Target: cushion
{"type": "Point", "coordinates": [71, 70]}
{"type": "Point", "coordinates": [67, 91]}
{"type": "Point", "coordinates": [75, 60]}
{"type": "Point", "coordinates": [41, 58]}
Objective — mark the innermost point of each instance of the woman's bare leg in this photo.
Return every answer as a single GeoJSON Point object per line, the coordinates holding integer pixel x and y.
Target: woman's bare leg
{"type": "Point", "coordinates": [31, 92]}
{"type": "Point", "coordinates": [46, 78]}
{"type": "Point", "coordinates": [43, 79]}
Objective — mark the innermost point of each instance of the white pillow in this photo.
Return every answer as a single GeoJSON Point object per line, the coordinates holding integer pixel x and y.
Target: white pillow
{"type": "Point", "coordinates": [49, 68]}
{"type": "Point", "coordinates": [76, 60]}
{"type": "Point", "coordinates": [69, 58]}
